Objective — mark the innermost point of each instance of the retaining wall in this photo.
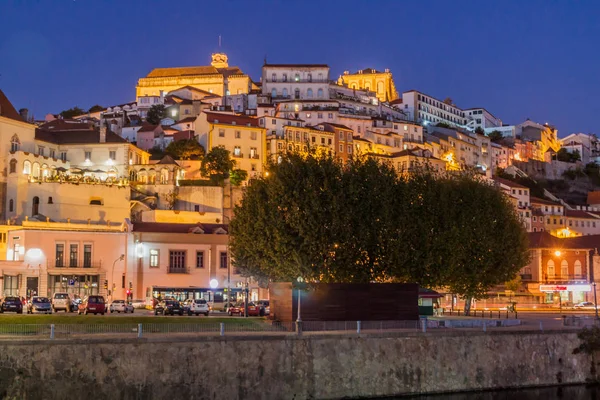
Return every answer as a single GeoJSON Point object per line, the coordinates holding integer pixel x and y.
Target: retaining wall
{"type": "Point", "coordinates": [311, 367]}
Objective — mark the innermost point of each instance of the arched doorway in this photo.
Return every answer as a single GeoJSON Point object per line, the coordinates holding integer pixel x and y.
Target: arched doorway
{"type": "Point", "coordinates": [35, 207]}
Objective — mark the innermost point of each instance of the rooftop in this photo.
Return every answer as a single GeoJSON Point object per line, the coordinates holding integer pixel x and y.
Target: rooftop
{"type": "Point", "coordinates": [192, 71]}
{"type": "Point", "coordinates": [537, 200]}
{"type": "Point", "coordinates": [160, 227]}
{"type": "Point", "coordinates": [77, 137]}
{"type": "Point", "coordinates": [7, 110]}
{"type": "Point", "coordinates": [230, 119]}
{"type": "Point", "coordinates": [509, 183]}
{"type": "Point", "coordinates": [580, 214]}
{"type": "Point", "coordinates": [296, 65]}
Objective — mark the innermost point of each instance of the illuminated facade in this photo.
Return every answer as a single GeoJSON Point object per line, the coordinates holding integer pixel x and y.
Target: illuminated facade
{"type": "Point", "coordinates": [369, 79]}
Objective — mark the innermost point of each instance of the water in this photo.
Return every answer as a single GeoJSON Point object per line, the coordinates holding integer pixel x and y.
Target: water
{"type": "Point", "coordinates": [579, 392]}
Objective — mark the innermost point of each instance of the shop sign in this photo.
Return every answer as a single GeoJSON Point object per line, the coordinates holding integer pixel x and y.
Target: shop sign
{"type": "Point", "coordinates": [565, 288]}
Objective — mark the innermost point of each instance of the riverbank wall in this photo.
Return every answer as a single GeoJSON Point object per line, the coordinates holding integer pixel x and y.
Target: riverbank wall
{"type": "Point", "coordinates": [267, 367]}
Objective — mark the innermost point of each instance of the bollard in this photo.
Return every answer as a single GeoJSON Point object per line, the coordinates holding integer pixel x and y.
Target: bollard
{"type": "Point", "coordinates": [52, 332]}
{"type": "Point", "coordinates": [424, 324]}
{"type": "Point", "coordinates": [139, 331]}
{"type": "Point", "coordinates": [222, 324]}
{"type": "Point", "coordinates": [541, 326]}
{"type": "Point", "coordinates": [516, 315]}
{"type": "Point", "coordinates": [358, 327]}
{"type": "Point", "coordinates": [299, 327]}
{"type": "Point", "coordinates": [484, 326]}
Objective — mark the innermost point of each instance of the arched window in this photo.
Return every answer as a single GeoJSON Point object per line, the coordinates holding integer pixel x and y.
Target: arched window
{"type": "Point", "coordinates": [273, 78]}
{"type": "Point", "coordinates": [297, 77]}
{"type": "Point", "coordinates": [320, 77]}
{"type": "Point", "coordinates": [36, 170]}
{"type": "Point", "coordinates": [274, 93]}
{"type": "Point", "coordinates": [297, 93]}
{"type": "Point", "coordinates": [164, 176]}
{"type": "Point", "coordinates": [35, 206]}
{"type": "Point", "coordinates": [564, 268]}
{"type": "Point", "coordinates": [367, 87]}
{"type": "Point", "coordinates": [12, 166]}
{"type": "Point", "coordinates": [309, 77]}
{"type": "Point", "coordinates": [45, 171]}
{"type": "Point", "coordinates": [284, 92]}
{"type": "Point", "coordinates": [285, 77]}
{"type": "Point", "coordinates": [320, 93]}
{"type": "Point", "coordinates": [379, 87]}
{"type": "Point", "coordinates": [14, 143]}
{"type": "Point", "coordinates": [550, 269]}
{"type": "Point", "coordinates": [309, 93]}
{"type": "Point", "coordinates": [577, 269]}
{"type": "Point", "coordinates": [11, 205]}
{"type": "Point", "coordinates": [27, 167]}
{"type": "Point", "coordinates": [50, 200]}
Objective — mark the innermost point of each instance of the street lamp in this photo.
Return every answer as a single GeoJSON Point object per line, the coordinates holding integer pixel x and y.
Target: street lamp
{"type": "Point", "coordinates": [299, 318]}
{"type": "Point", "coordinates": [228, 265]}
{"type": "Point", "coordinates": [112, 274]}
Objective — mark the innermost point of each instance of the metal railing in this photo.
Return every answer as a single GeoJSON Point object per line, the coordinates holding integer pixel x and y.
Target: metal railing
{"type": "Point", "coordinates": [67, 263]}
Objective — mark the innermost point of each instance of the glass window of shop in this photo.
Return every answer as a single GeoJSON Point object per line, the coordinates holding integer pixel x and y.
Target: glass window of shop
{"type": "Point", "coordinates": [81, 285]}
{"type": "Point", "coordinates": [10, 286]}
{"type": "Point", "coordinates": [73, 256]}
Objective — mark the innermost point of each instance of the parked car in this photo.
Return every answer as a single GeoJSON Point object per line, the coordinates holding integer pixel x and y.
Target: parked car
{"type": "Point", "coordinates": [196, 307]}
{"type": "Point", "coordinates": [237, 308]}
{"type": "Point", "coordinates": [39, 304]}
{"type": "Point", "coordinates": [92, 305]}
{"type": "Point", "coordinates": [138, 303]}
{"type": "Point", "coordinates": [120, 306]}
{"type": "Point", "coordinates": [75, 302]}
{"type": "Point", "coordinates": [167, 307]}
{"type": "Point", "coordinates": [254, 310]}
{"type": "Point", "coordinates": [265, 308]}
{"type": "Point", "coordinates": [585, 304]}
{"type": "Point", "coordinates": [11, 304]}
{"type": "Point", "coordinates": [61, 301]}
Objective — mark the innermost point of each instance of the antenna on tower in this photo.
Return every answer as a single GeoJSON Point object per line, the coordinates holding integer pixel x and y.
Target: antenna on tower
{"type": "Point", "coordinates": [219, 41]}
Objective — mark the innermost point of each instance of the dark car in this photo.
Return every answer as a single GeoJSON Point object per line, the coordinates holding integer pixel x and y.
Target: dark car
{"type": "Point", "coordinates": [39, 304]}
{"type": "Point", "coordinates": [92, 305]}
{"type": "Point", "coordinates": [168, 307]}
{"type": "Point", "coordinates": [12, 304]}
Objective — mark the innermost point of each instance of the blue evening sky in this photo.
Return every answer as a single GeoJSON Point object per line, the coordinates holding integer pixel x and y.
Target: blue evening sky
{"type": "Point", "coordinates": [519, 59]}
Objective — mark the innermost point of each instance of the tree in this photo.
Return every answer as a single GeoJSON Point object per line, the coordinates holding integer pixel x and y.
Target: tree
{"type": "Point", "coordinates": [172, 198]}
{"type": "Point", "coordinates": [72, 112]}
{"type": "Point", "coordinates": [238, 176]}
{"type": "Point", "coordinates": [217, 164]}
{"type": "Point", "coordinates": [188, 149]}
{"type": "Point", "coordinates": [513, 286]}
{"type": "Point", "coordinates": [156, 153]}
{"type": "Point", "coordinates": [495, 136]}
{"type": "Point", "coordinates": [363, 222]}
{"type": "Point", "coordinates": [156, 113]}
{"type": "Point", "coordinates": [96, 108]}
{"type": "Point", "coordinates": [479, 130]}
{"type": "Point", "coordinates": [564, 155]}
{"type": "Point", "coordinates": [443, 125]}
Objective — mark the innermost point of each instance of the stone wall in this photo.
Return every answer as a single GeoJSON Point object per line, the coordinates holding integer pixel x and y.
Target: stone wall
{"type": "Point", "coordinates": [315, 367]}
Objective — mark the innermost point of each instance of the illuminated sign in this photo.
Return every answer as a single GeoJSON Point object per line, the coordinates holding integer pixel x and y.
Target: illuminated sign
{"type": "Point", "coordinates": [565, 288]}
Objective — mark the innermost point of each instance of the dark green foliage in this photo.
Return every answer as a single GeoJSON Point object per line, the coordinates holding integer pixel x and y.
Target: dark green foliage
{"type": "Point", "coordinates": [443, 125]}
{"type": "Point", "coordinates": [495, 136]}
{"type": "Point", "coordinates": [156, 113]}
{"type": "Point", "coordinates": [217, 164]}
{"type": "Point", "coordinates": [536, 187]}
{"type": "Point", "coordinates": [72, 112]}
{"type": "Point", "coordinates": [237, 176]}
{"type": "Point", "coordinates": [156, 153]}
{"type": "Point", "coordinates": [188, 149]}
{"type": "Point", "coordinates": [479, 130]}
{"type": "Point", "coordinates": [96, 108]}
{"type": "Point", "coordinates": [574, 173]}
{"type": "Point", "coordinates": [564, 155]}
{"type": "Point", "coordinates": [361, 222]}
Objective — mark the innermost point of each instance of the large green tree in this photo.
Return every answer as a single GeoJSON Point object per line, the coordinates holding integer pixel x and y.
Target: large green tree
{"type": "Point", "coordinates": [217, 164]}
{"type": "Point", "coordinates": [188, 149]}
{"type": "Point", "coordinates": [96, 108]}
{"type": "Point", "coordinates": [156, 113]}
{"type": "Point", "coordinates": [72, 112]}
{"type": "Point", "coordinates": [495, 136]}
{"type": "Point", "coordinates": [362, 222]}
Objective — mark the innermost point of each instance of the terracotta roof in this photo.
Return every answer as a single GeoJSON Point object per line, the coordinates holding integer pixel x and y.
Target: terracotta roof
{"type": "Point", "coordinates": [579, 214]}
{"type": "Point", "coordinates": [296, 65]}
{"type": "Point", "coordinates": [544, 240]}
{"type": "Point", "coordinates": [167, 160]}
{"type": "Point", "coordinates": [339, 126]}
{"type": "Point", "coordinates": [537, 200]}
{"type": "Point", "coordinates": [185, 120]}
{"type": "Point", "coordinates": [593, 197]}
{"type": "Point", "coordinates": [148, 128]}
{"type": "Point", "coordinates": [229, 119]}
{"type": "Point", "coordinates": [63, 125]}
{"type": "Point", "coordinates": [510, 183]}
{"type": "Point", "coordinates": [397, 101]}
{"type": "Point", "coordinates": [7, 110]}
{"type": "Point", "coordinates": [76, 137]}
{"type": "Point", "coordinates": [160, 227]}
{"type": "Point", "coordinates": [182, 71]}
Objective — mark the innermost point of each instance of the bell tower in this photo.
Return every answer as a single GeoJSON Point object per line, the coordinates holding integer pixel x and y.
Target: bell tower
{"type": "Point", "coordinates": [219, 60]}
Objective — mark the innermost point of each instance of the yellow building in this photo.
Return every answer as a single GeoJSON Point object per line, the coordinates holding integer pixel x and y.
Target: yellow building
{"type": "Point", "coordinates": [382, 83]}
{"type": "Point", "coordinates": [218, 78]}
{"type": "Point", "coordinates": [241, 135]}
{"type": "Point", "coordinates": [302, 139]}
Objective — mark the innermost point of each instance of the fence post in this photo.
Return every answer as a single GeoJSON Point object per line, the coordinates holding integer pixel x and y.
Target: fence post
{"type": "Point", "coordinates": [358, 327]}
{"type": "Point", "coordinates": [139, 331]}
{"type": "Point", "coordinates": [484, 326]}
{"type": "Point", "coordinates": [541, 326]}
{"type": "Point", "coordinates": [299, 328]}
{"type": "Point", "coordinates": [424, 324]}
{"type": "Point", "coordinates": [52, 331]}
{"type": "Point", "coordinates": [222, 324]}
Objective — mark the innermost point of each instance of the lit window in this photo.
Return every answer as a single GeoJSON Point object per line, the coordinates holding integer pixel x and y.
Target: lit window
{"type": "Point", "coordinates": [154, 258]}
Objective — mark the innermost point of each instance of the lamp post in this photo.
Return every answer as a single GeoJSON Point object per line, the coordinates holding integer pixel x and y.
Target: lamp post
{"type": "Point", "coordinates": [595, 300]}
{"type": "Point", "coordinates": [299, 318]}
{"type": "Point", "coordinates": [228, 264]}
{"type": "Point", "coordinates": [112, 275]}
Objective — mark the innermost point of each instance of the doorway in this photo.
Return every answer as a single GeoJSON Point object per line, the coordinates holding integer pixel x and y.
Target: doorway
{"type": "Point", "coordinates": [35, 207]}
{"type": "Point", "coordinates": [32, 286]}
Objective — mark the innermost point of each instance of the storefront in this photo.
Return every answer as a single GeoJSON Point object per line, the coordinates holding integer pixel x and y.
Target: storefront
{"type": "Point", "coordinates": [76, 285]}
{"type": "Point", "coordinates": [565, 294]}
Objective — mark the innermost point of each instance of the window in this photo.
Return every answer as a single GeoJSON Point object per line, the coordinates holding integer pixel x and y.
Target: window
{"type": "Point", "coordinates": [273, 78]}
{"type": "Point", "coordinates": [27, 167]}
{"type": "Point", "coordinates": [349, 149]}
{"type": "Point", "coordinates": [60, 255]}
{"type": "Point", "coordinates": [284, 77]}
{"type": "Point", "coordinates": [550, 269]}
{"type": "Point", "coordinates": [534, 219]}
{"type": "Point", "coordinates": [307, 115]}
{"type": "Point", "coordinates": [221, 132]}
{"type": "Point", "coordinates": [253, 135]}
{"type": "Point", "coordinates": [330, 115]}
{"type": "Point", "coordinates": [88, 155]}
{"type": "Point", "coordinates": [577, 268]}
{"type": "Point", "coordinates": [96, 201]}
{"type": "Point", "coordinates": [284, 92]}
{"type": "Point", "coordinates": [11, 205]}
{"type": "Point", "coordinates": [309, 93]}
{"type": "Point", "coordinates": [564, 268]}
{"type": "Point", "coordinates": [50, 200]}
{"type": "Point", "coordinates": [52, 153]}
{"type": "Point", "coordinates": [313, 139]}
{"type": "Point", "coordinates": [13, 166]}
{"type": "Point", "coordinates": [73, 255]}
{"type": "Point", "coordinates": [253, 166]}
{"type": "Point", "coordinates": [297, 77]}
{"type": "Point", "coordinates": [297, 93]}
{"type": "Point", "coordinates": [359, 129]}
{"type": "Point", "coordinates": [341, 148]}
{"type": "Point", "coordinates": [41, 150]}
{"type": "Point", "coordinates": [63, 155]}
{"type": "Point", "coordinates": [309, 77]}
{"type": "Point", "coordinates": [176, 260]}
{"type": "Point", "coordinates": [223, 260]}
{"type": "Point", "coordinates": [112, 155]}
{"type": "Point", "coordinates": [237, 151]}
{"type": "Point", "coordinates": [87, 255]}
{"type": "Point", "coordinates": [320, 93]}
{"type": "Point", "coordinates": [349, 136]}
{"type": "Point", "coordinates": [238, 134]}
{"type": "Point", "coordinates": [153, 258]}
{"type": "Point", "coordinates": [320, 115]}
{"type": "Point", "coordinates": [199, 259]}
{"type": "Point", "coordinates": [341, 135]}
{"type": "Point", "coordinates": [273, 92]}
{"type": "Point", "coordinates": [329, 141]}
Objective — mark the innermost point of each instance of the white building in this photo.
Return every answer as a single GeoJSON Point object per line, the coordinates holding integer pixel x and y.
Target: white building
{"type": "Point", "coordinates": [425, 109]}
{"type": "Point", "coordinates": [587, 145]}
{"type": "Point", "coordinates": [481, 118]}
{"type": "Point", "coordinates": [507, 131]}
{"type": "Point", "coordinates": [295, 81]}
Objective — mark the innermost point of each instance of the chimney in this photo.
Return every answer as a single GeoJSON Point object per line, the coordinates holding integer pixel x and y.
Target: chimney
{"type": "Point", "coordinates": [24, 114]}
{"type": "Point", "coordinates": [102, 133]}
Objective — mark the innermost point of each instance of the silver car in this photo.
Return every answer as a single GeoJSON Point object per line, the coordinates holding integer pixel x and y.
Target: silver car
{"type": "Point", "coordinates": [120, 306]}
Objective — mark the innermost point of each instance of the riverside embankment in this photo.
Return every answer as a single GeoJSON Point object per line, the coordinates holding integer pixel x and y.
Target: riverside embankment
{"type": "Point", "coordinates": [268, 367]}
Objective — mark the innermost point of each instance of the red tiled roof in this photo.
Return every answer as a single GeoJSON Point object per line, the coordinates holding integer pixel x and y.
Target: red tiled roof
{"type": "Point", "coordinates": [593, 197]}
{"type": "Point", "coordinates": [7, 110]}
{"type": "Point", "coordinates": [537, 200]}
{"type": "Point", "coordinates": [160, 227]}
{"type": "Point", "coordinates": [185, 120]}
{"type": "Point", "coordinates": [147, 128]}
{"type": "Point", "coordinates": [76, 137]}
{"type": "Point", "coordinates": [579, 214]}
{"type": "Point", "coordinates": [229, 119]}
{"type": "Point", "coordinates": [62, 125]}
{"type": "Point", "coordinates": [510, 183]}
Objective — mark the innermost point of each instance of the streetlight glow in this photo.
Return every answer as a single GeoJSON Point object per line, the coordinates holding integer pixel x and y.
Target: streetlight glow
{"type": "Point", "coordinates": [557, 253]}
{"type": "Point", "coordinates": [213, 283]}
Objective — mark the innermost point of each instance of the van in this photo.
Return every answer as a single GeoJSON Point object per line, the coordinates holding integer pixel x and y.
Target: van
{"type": "Point", "coordinates": [61, 301]}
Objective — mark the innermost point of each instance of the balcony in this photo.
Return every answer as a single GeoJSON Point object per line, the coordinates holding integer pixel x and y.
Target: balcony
{"type": "Point", "coordinates": [412, 140]}
{"type": "Point", "coordinates": [237, 155]}
{"type": "Point", "coordinates": [254, 156]}
{"type": "Point", "coordinates": [177, 270]}
{"type": "Point", "coordinates": [564, 278]}
{"type": "Point", "coordinates": [526, 277]}
{"type": "Point", "coordinates": [66, 264]}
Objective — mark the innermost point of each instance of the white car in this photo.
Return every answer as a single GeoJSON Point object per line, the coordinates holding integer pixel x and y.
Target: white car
{"type": "Point", "coordinates": [61, 301]}
{"type": "Point", "coordinates": [138, 303]}
{"type": "Point", "coordinates": [197, 307]}
{"type": "Point", "coordinates": [584, 305]}
{"type": "Point", "coordinates": [120, 306]}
